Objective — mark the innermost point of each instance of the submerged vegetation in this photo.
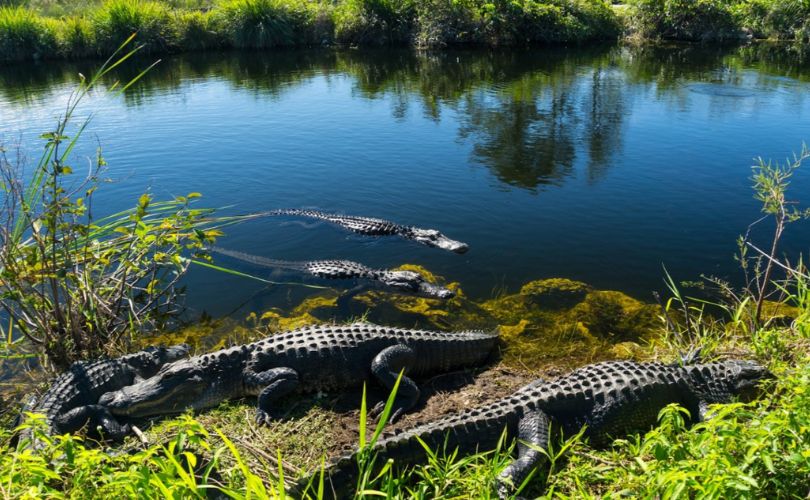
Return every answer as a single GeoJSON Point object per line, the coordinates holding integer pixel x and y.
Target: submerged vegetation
{"type": "Point", "coordinates": [61, 29]}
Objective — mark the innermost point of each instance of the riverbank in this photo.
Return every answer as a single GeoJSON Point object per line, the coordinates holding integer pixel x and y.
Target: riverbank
{"type": "Point", "coordinates": [224, 450]}
{"type": "Point", "coordinates": [57, 30]}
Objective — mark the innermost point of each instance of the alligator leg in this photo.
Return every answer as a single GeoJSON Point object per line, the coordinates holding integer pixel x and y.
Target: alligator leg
{"type": "Point", "coordinates": [386, 366]}
{"type": "Point", "coordinates": [532, 430]}
{"type": "Point", "coordinates": [275, 383]}
{"type": "Point", "coordinates": [98, 419]}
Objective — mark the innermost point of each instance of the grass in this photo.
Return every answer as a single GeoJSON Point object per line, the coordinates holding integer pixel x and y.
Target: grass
{"type": "Point", "coordinates": [50, 29]}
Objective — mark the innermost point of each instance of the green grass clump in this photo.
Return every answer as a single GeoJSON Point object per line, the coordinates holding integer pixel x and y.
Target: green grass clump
{"type": "Point", "coordinates": [76, 37]}
{"type": "Point", "coordinates": [25, 35]}
{"type": "Point", "coordinates": [198, 31]}
{"type": "Point", "coordinates": [116, 20]}
{"type": "Point", "coordinates": [258, 24]}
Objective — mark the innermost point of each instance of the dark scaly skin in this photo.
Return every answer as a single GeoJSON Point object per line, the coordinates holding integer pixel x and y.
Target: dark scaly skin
{"type": "Point", "coordinates": [399, 281]}
{"type": "Point", "coordinates": [610, 399]}
{"type": "Point", "coordinates": [71, 401]}
{"type": "Point", "coordinates": [304, 360]}
{"type": "Point", "coordinates": [379, 227]}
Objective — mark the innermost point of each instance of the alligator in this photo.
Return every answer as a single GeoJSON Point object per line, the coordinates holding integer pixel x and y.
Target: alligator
{"type": "Point", "coordinates": [379, 227]}
{"type": "Point", "coordinates": [308, 359]}
{"type": "Point", "coordinates": [409, 282]}
{"type": "Point", "coordinates": [71, 401]}
{"type": "Point", "coordinates": [604, 400]}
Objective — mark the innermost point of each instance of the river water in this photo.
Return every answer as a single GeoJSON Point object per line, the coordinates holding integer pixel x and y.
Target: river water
{"type": "Point", "coordinates": [596, 164]}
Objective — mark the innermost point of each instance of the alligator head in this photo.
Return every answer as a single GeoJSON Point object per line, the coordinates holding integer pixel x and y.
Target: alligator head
{"type": "Point", "coordinates": [176, 387]}
{"type": "Point", "coordinates": [733, 377]}
{"type": "Point", "coordinates": [434, 238]}
{"type": "Point", "coordinates": [415, 283]}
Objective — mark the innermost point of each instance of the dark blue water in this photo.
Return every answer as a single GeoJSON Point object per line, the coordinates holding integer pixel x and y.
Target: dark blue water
{"type": "Point", "coordinates": [600, 165]}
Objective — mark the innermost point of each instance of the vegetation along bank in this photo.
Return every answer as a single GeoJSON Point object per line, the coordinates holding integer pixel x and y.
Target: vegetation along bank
{"type": "Point", "coordinates": [45, 29]}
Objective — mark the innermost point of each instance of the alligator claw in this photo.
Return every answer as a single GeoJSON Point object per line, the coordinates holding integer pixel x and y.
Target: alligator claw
{"type": "Point", "coordinates": [262, 417]}
{"type": "Point", "coordinates": [377, 411]}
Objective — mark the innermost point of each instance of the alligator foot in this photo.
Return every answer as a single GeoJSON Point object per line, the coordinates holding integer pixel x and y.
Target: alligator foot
{"type": "Point", "coordinates": [532, 440]}
{"type": "Point", "coordinates": [390, 364]}
{"type": "Point", "coordinates": [98, 419]}
{"type": "Point", "coordinates": [276, 383]}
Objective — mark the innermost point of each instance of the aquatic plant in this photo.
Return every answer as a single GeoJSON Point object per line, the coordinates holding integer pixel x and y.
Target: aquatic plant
{"type": "Point", "coordinates": [75, 285]}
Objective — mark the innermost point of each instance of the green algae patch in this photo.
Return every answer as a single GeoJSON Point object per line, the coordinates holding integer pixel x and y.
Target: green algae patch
{"type": "Point", "coordinates": [311, 311]}
{"type": "Point", "coordinates": [555, 293]}
{"type": "Point", "coordinates": [614, 315]}
{"type": "Point", "coordinates": [429, 276]}
{"type": "Point", "coordinates": [548, 322]}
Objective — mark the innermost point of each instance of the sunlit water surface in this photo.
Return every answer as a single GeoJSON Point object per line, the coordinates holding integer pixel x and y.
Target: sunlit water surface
{"type": "Point", "coordinates": [601, 165]}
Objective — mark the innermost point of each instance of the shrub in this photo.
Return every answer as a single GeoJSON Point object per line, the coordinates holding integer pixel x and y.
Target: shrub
{"type": "Point", "coordinates": [257, 24]}
{"type": "Point", "coordinates": [446, 22]}
{"type": "Point", "coordinates": [116, 20]}
{"type": "Point", "coordinates": [374, 22]}
{"type": "Point", "coordinates": [782, 19]}
{"type": "Point", "coordinates": [25, 35]}
{"type": "Point", "coordinates": [695, 20]}
{"type": "Point", "coordinates": [198, 31]}
{"type": "Point", "coordinates": [76, 37]}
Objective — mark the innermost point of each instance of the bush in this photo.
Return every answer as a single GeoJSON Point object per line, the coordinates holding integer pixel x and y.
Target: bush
{"type": "Point", "coordinates": [258, 24]}
{"type": "Point", "coordinates": [782, 19]}
{"type": "Point", "coordinates": [198, 31]}
{"type": "Point", "coordinates": [374, 22]}
{"type": "Point", "coordinates": [116, 20]}
{"type": "Point", "coordinates": [694, 20]}
{"type": "Point", "coordinates": [25, 35]}
{"type": "Point", "coordinates": [76, 37]}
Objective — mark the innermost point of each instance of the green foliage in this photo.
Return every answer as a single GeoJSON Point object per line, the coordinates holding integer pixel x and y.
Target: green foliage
{"type": "Point", "coordinates": [198, 31]}
{"type": "Point", "coordinates": [76, 37]}
{"type": "Point", "coordinates": [502, 22]}
{"type": "Point", "coordinates": [116, 20]}
{"type": "Point", "coordinates": [258, 24]}
{"type": "Point", "coordinates": [781, 19]}
{"type": "Point", "coordinates": [697, 20]}
{"type": "Point", "coordinates": [377, 22]}
{"type": "Point", "coordinates": [76, 286]}
{"type": "Point", "coordinates": [186, 466]}
{"type": "Point", "coordinates": [24, 35]}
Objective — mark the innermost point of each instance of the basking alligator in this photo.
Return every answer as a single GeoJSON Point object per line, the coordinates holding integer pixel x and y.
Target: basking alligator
{"type": "Point", "coordinates": [303, 360]}
{"type": "Point", "coordinates": [610, 399]}
{"type": "Point", "coordinates": [400, 281]}
{"type": "Point", "coordinates": [379, 227]}
{"type": "Point", "coordinates": [70, 403]}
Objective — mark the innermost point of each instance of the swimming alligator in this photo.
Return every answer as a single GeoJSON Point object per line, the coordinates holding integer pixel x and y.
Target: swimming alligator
{"type": "Point", "coordinates": [379, 227]}
{"type": "Point", "coordinates": [71, 401]}
{"type": "Point", "coordinates": [609, 399]}
{"type": "Point", "coordinates": [409, 282]}
{"type": "Point", "coordinates": [303, 360]}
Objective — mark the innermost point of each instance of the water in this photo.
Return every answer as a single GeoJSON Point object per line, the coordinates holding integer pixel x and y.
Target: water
{"type": "Point", "coordinates": [601, 165]}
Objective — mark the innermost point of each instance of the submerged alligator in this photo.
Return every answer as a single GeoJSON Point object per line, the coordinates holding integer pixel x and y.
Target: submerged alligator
{"type": "Point", "coordinates": [71, 402]}
{"type": "Point", "coordinates": [379, 227]}
{"type": "Point", "coordinates": [400, 281]}
{"type": "Point", "coordinates": [609, 399]}
{"type": "Point", "coordinates": [303, 360]}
